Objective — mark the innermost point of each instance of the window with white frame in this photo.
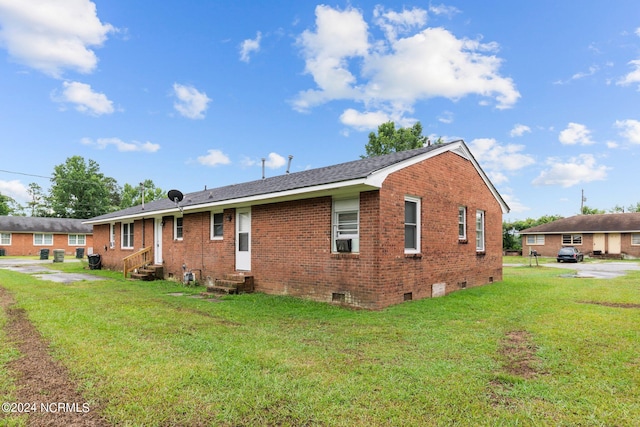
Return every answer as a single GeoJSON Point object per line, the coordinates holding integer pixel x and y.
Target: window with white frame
{"type": "Point", "coordinates": [346, 225]}
{"type": "Point", "coordinates": [127, 235]}
{"type": "Point", "coordinates": [77, 239]}
{"type": "Point", "coordinates": [42, 239]}
{"type": "Point", "coordinates": [635, 239]}
{"type": "Point", "coordinates": [5, 239]}
{"type": "Point", "coordinates": [217, 225]}
{"type": "Point", "coordinates": [572, 239]}
{"type": "Point", "coordinates": [112, 236]}
{"type": "Point", "coordinates": [178, 228]}
{"type": "Point", "coordinates": [480, 231]}
{"type": "Point", "coordinates": [411, 225]}
{"type": "Point", "coordinates": [535, 239]}
{"type": "Point", "coordinates": [462, 223]}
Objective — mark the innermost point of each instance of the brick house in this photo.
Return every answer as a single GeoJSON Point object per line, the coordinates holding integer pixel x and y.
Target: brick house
{"type": "Point", "coordinates": [606, 234]}
{"type": "Point", "coordinates": [368, 233]}
{"type": "Point", "coordinates": [26, 236]}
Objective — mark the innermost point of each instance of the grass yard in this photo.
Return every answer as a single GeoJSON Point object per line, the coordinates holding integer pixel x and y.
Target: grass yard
{"type": "Point", "coordinates": [535, 349]}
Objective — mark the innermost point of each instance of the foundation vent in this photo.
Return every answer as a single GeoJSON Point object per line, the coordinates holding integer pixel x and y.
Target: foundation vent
{"type": "Point", "coordinates": [338, 297]}
{"type": "Point", "coordinates": [408, 296]}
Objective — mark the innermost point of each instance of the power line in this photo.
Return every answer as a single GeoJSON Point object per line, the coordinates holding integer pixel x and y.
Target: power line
{"type": "Point", "coordinates": [26, 174]}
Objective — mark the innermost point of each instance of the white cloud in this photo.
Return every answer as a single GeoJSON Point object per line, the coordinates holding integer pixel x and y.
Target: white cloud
{"type": "Point", "coordinates": [396, 72]}
{"type": "Point", "coordinates": [394, 23]}
{"type": "Point", "coordinates": [634, 76]}
{"type": "Point", "coordinates": [515, 205]}
{"type": "Point", "coordinates": [272, 161]}
{"type": "Point", "coordinates": [85, 99]}
{"type": "Point", "coordinates": [446, 117]}
{"type": "Point", "coordinates": [275, 161]}
{"type": "Point", "coordinates": [577, 170]}
{"type": "Point", "coordinates": [15, 189]}
{"type": "Point", "coordinates": [52, 35]}
{"type": "Point", "coordinates": [369, 120]}
{"type": "Point", "coordinates": [103, 143]}
{"type": "Point", "coordinates": [249, 46]}
{"type": "Point", "coordinates": [519, 130]}
{"type": "Point", "coordinates": [496, 157]}
{"type": "Point", "coordinates": [191, 103]}
{"type": "Point", "coordinates": [214, 158]}
{"type": "Point", "coordinates": [630, 129]}
{"type": "Point", "coordinates": [575, 133]}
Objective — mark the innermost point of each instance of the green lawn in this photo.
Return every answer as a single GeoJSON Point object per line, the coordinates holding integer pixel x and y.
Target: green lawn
{"type": "Point", "coordinates": [149, 358]}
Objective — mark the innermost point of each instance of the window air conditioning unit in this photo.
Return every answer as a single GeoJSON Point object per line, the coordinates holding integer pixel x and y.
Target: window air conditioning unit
{"type": "Point", "coordinates": [343, 245]}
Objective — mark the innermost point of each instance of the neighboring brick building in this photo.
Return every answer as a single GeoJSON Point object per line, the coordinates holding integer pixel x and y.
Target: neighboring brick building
{"type": "Point", "coordinates": [606, 234]}
{"type": "Point", "coordinates": [25, 235]}
{"type": "Point", "coordinates": [368, 233]}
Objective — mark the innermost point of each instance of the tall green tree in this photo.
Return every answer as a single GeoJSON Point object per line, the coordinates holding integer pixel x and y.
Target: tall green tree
{"type": "Point", "coordinates": [6, 204]}
{"type": "Point", "coordinates": [39, 203]}
{"type": "Point", "coordinates": [586, 210]}
{"type": "Point", "coordinates": [391, 140]}
{"type": "Point", "coordinates": [132, 195]}
{"type": "Point", "coordinates": [80, 190]}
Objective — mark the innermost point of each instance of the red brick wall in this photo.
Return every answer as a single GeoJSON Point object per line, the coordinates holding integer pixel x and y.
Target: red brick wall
{"type": "Point", "coordinates": [22, 245]}
{"type": "Point", "coordinates": [553, 243]}
{"type": "Point", "coordinates": [292, 249]}
{"type": "Point", "coordinates": [443, 183]}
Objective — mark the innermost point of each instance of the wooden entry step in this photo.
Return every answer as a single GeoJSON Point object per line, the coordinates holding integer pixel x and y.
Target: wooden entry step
{"type": "Point", "coordinates": [233, 283]}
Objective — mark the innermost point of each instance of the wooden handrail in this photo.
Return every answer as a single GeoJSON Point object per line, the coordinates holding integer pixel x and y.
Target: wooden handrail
{"type": "Point", "coordinates": [138, 259]}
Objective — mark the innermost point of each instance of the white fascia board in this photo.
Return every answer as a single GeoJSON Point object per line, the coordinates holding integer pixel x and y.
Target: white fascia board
{"type": "Point", "coordinates": [149, 214]}
{"type": "Point", "coordinates": [459, 147]}
{"type": "Point", "coordinates": [282, 196]}
{"type": "Point", "coordinates": [295, 194]}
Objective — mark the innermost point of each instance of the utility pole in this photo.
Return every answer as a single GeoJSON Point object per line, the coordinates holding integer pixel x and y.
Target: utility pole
{"type": "Point", "coordinates": [582, 200]}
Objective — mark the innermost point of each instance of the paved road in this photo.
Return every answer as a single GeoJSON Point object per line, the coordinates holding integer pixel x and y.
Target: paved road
{"type": "Point", "coordinates": [39, 269]}
{"type": "Point", "coordinates": [605, 270]}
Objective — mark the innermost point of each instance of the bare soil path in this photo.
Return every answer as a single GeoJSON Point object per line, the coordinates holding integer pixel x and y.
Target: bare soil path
{"type": "Point", "coordinates": [41, 382]}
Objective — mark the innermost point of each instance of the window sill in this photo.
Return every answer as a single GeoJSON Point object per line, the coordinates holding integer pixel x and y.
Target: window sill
{"type": "Point", "coordinates": [480, 253]}
{"type": "Point", "coordinates": [413, 256]}
{"type": "Point", "coordinates": [345, 255]}
{"type": "Point", "coordinates": [463, 241]}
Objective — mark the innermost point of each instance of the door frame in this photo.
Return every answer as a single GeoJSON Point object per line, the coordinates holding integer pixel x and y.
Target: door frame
{"type": "Point", "coordinates": [243, 257]}
{"type": "Point", "coordinates": [157, 240]}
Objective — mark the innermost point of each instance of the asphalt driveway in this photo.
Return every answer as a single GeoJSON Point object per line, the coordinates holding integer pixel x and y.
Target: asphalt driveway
{"type": "Point", "coordinates": [596, 270]}
{"type": "Point", "coordinates": [39, 269]}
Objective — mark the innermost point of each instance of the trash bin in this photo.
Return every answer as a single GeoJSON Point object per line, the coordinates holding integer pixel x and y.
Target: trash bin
{"type": "Point", "coordinates": [2, 252]}
{"type": "Point", "coordinates": [58, 255]}
{"type": "Point", "coordinates": [79, 253]}
{"type": "Point", "coordinates": [95, 263]}
{"type": "Point", "coordinates": [44, 253]}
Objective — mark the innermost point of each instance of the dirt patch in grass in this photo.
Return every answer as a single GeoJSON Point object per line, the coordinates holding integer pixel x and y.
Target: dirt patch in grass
{"type": "Point", "coordinates": [517, 353]}
{"type": "Point", "coordinates": [42, 382]}
{"type": "Point", "coordinates": [612, 304]}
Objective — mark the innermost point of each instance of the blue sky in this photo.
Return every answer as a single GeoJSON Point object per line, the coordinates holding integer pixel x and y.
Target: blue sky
{"type": "Point", "coordinates": [195, 93]}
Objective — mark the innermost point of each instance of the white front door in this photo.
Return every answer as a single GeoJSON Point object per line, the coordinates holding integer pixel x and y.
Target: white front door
{"type": "Point", "coordinates": [157, 241]}
{"type": "Point", "coordinates": [243, 239]}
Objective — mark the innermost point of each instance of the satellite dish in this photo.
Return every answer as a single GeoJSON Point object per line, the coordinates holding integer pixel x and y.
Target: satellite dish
{"type": "Point", "coordinates": [175, 195]}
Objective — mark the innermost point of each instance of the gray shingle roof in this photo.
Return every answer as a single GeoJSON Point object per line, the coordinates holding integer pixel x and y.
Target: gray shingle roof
{"type": "Point", "coordinates": [620, 222]}
{"type": "Point", "coordinates": [27, 224]}
{"type": "Point", "coordinates": [294, 181]}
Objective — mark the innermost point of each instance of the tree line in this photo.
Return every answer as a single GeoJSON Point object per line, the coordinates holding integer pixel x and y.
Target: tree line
{"type": "Point", "coordinates": [79, 190]}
